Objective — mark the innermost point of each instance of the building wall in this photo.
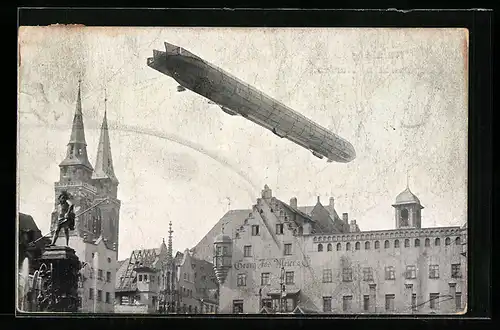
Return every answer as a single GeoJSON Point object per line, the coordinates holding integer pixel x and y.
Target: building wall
{"type": "Point", "coordinates": [308, 265]}
{"type": "Point", "coordinates": [105, 260]}
{"type": "Point", "coordinates": [132, 309]}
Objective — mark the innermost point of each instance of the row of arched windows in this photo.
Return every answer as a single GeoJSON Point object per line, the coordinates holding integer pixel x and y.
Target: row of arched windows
{"type": "Point", "coordinates": [387, 244]}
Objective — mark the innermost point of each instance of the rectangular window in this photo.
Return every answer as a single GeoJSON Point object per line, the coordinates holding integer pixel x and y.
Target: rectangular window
{"type": "Point", "coordinates": [456, 271]}
{"type": "Point", "coordinates": [265, 279]}
{"type": "Point", "coordinates": [140, 277]}
{"type": "Point", "coordinates": [237, 306]}
{"type": "Point", "coordinates": [458, 301]}
{"type": "Point", "coordinates": [390, 273]}
{"type": "Point", "coordinates": [411, 272]}
{"type": "Point", "coordinates": [327, 276]}
{"type": "Point", "coordinates": [347, 275]}
{"type": "Point", "coordinates": [108, 277]}
{"type": "Point", "coordinates": [327, 304]}
{"type": "Point", "coordinates": [367, 274]}
{"type": "Point", "coordinates": [389, 302]}
{"type": "Point", "coordinates": [346, 303]}
{"type": "Point", "coordinates": [279, 229]}
{"type": "Point", "coordinates": [91, 293]}
{"type": "Point", "coordinates": [99, 295]}
{"type": "Point", "coordinates": [289, 278]}
{"type": "Point", "coordinates": [433, 271]}
{"type": "Point", "coordinates": [241, 280]}
{"type": "Point", "coordinates": [434, 300]}
{"type": "Point", "coordinates": [255, 230]}
{"type": "Point", "coordinates": [99, 274]}
{"type": "Point", "coordinates": [146, 277]}
{"type": "Point", "coordinates": [288, 249]}
{"type": "Point", "coordinates": [366, 303]}
{"type": "Point", "coordinates": [247, 251]}
{"type": "Point", "coordinates": [414, 301]}
{"type": "Point", "coordinates": [108, 298]}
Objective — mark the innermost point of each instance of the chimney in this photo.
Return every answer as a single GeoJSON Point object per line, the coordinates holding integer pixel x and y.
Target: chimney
{"type": "Point", "coordinates": [345, 217]}
{"type": "Point", "coordinates": [293, 202]}
{"type": "Point", "coordinates": [332, 202]}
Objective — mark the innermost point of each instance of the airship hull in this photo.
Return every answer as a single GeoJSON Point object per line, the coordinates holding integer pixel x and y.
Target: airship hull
{"type": "Point", "coordinates": [237, 97]}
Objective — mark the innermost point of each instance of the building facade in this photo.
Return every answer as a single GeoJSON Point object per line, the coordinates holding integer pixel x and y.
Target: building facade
{"type": "Point", "coordinates": [279, 259]}
{"type": "Point", "coordinates": [155, 281]}
{"type": "Point", "coordinates": [97, 207]}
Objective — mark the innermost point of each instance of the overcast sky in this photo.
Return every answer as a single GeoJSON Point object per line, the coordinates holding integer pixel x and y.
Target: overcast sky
{"type": "Point", "coordinates": [398, 95]}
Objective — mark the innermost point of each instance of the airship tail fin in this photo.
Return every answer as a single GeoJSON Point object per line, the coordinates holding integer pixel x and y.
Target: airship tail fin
{"type": "Point", "coordinates": [171, 49]}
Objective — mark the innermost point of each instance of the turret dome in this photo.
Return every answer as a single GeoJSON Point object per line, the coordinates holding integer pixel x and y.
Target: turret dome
{"type": "Point", "coordinates": [406, 197]}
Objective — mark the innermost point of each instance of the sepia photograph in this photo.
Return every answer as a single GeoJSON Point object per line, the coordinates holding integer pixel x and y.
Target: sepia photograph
{"type": "Point", "coordinates": [199, 171]}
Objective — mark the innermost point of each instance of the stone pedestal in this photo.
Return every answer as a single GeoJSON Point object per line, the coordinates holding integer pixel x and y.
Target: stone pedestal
{"type": "Point", "coordinates": [60, 280]}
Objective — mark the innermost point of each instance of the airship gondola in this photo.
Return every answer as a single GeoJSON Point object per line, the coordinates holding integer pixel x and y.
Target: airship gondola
{"type": "Point", "coordinates": [236, 97]}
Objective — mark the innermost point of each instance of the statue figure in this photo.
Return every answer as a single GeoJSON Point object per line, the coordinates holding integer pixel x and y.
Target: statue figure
{"type": "Point", "coordinates": [66, 217]}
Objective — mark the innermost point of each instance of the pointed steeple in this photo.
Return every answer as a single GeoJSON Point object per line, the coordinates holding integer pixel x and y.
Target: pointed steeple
{"type": "Point", "coordinates": [77, 131]}
{"type": "Point", "coordinates": [104, 162]}
{"type": "Point", "coordinates": [169, 247]}
{"type": "Point", "coordinates": [77, 147]}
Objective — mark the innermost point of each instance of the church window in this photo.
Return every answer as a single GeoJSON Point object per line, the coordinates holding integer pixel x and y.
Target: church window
{"type": "Point", "coordinates": [447, 241]}
{"type": "Point", "coordinates": [339, 246]}
{"type": "Point", "coordinates": [367, 245]}
{"type": "Point", "coordinates": [407, 242]}
{"type": "Point", "coordinates": [377, 245]}
{"type": "Point", "coordinates": [320, 247]}
{"type": "Point", "coordinates": [387, 244]}
{"type": "Point", "coordinates": [329, 247]}
{"type": "Point", "coordinates": [427, 242]}
{"type": "Point", "coordinates": [457, 241]}
{"type": "Point", "coordinates": [417, 242]}
{"type": "Point", "coordinates": [348, 246]}
{"type": "Point", "coordinates": [396, 243]}
{"type": "Point", "coordinates": [357, 246]}
{"type": "Point", "coordinates": [437, 242]}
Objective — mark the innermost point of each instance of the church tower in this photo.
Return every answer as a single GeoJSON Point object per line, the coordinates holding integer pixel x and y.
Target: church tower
{"type": "Point", "coordinates": [407, 210]}
{"type": "Point", "coordinates": [76, 174]}
{"type": "Point", "coordinates": [106, 183]}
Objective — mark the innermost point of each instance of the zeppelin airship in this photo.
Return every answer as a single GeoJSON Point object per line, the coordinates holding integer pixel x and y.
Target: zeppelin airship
{"type": "Point", "coordinates": [236, 97]}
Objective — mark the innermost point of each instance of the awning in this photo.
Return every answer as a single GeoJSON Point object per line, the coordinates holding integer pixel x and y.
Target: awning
{"type": "Point", "coordinates": [288, 293]}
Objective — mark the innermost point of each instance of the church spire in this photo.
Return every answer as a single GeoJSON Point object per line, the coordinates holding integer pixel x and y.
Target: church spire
{"type": "Point", "coordinates": [77, 147]}
{"type": "Point", "coordinates": [104, 161]}
{"type": "Point", "coordinates": [169, 247]}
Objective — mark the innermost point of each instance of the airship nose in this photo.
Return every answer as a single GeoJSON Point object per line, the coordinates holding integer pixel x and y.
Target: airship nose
{"type": "Point", "coordinates": [171, 49]}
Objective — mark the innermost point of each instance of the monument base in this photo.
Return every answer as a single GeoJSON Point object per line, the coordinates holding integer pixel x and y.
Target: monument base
{"type": "Point", "coordinates": [59, 273]}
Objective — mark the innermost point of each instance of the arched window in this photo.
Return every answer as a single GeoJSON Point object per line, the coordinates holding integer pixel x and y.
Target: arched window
{"type": "Point", "coordinates": [437, 242]}
{"type": "Point", "coordinates": [407, 242]}
{"type": "Point", "coordinates": [396, 243]}
{"type": "Point", "coordinates": [329, 247]}
{"type": "Point", "coordinates": [457, 241]}
{"type": "Point", "coordinates": [367, 245]}
{"type": "Point", "coordinates": [386, 244]}
{"type": "Point", "coordinates": [320, 247]}
{"type": "Point", "coordinates": [377, 245]}
{"type": "Point", "coordinates": [427, 242]}
{"type": "Point", "coordinates": [339, 246]}
{"type": "Point", "coordinates": [417, 242]}
{"type": "Point", "coordinates": [447, 241]}
{"type": "Point", "coordinates": [404, 217]}
{"type": "Point", "coordinates": [348, 246]}
{"type": "Point", "coordinates": [357, 246]}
